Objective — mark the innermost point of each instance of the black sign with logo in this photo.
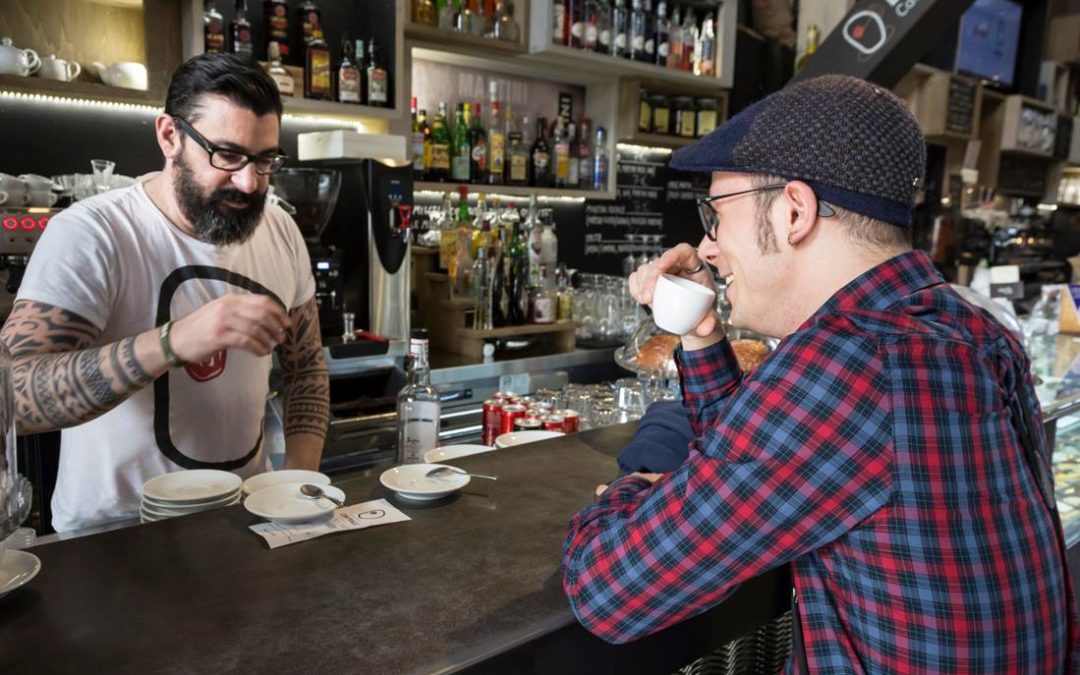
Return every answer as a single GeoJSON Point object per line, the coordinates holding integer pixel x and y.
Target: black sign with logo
{"type": "Point", "coordinates": [960, 110]}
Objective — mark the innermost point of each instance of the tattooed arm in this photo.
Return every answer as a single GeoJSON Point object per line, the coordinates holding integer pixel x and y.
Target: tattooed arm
{"type": "Point", "coordinates": [307, 389]}
{"type": "Point", "coordinates": [59, 379]}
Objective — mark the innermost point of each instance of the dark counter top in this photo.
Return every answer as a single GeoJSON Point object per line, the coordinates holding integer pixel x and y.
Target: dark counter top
{"type": "Point", "coordinates": [471, 584]}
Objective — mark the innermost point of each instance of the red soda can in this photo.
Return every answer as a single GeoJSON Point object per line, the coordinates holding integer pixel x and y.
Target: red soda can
{"type": "Point", "coordinates": [527, 424]}
{"type": "Point", "coordinates": [571, 421]}
{"type": "Point", "coordinates": [554, 423]}
{"type": "Point", "coordinates": [491, 420]}
{"type": "Point", "coordinates": [509, 414]}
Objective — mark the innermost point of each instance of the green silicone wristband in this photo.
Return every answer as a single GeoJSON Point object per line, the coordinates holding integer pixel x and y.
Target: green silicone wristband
{"type": "Point", "coordinates": [170, 356]}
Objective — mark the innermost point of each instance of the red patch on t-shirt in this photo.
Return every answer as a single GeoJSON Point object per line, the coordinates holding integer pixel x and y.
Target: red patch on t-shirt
{"type": "Point", "coordinates": [208, 369]}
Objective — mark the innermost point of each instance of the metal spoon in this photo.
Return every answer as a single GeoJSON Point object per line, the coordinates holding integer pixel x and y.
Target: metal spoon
{"type": "Point", "coordinates": [314, 491]}
{"type": "Point", "coordinates": [443, 470]}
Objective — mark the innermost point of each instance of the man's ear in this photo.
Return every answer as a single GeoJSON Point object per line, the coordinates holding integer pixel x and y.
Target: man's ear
{"type": "Point", "coordinates": [168, 136]}
{"type": "Point", "coordinates": [802, 213]}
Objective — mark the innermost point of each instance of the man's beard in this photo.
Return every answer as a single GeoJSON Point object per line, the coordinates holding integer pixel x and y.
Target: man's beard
{"type": "Point", "coordinates": [215, 222]}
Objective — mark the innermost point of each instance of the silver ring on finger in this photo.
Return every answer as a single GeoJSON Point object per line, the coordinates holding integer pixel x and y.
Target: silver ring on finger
{"type": "Point", "coordinates": [701, 266]}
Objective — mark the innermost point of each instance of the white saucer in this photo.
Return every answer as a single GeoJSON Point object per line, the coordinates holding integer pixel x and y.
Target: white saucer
{"type": "Point", "coordinates": [154, 509]}
{"type": "Point", "coordinates": [448, 452]}
{"type": "Point", "coordinates": [522, 437]}
{"type": "Point", "coordinates": [191, 507]}
{"type": "Point", "coordinates": [195, 486]}
{"type": "Point", "coordinates": [411, 481]}
{"type": "Point", "coordinates": [16, 569]}
{"type": "Point", "coordinates": [263, 480]}
{"type": "Point", "coordinates": [285, 504]}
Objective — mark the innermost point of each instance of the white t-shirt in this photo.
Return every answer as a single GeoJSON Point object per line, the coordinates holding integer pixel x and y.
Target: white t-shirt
{"type": "Point", "coordinates": [116, 261]}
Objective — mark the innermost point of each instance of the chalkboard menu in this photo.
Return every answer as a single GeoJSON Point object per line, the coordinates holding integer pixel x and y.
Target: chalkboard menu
{"type": "Point", "coordinates": [960, 112]}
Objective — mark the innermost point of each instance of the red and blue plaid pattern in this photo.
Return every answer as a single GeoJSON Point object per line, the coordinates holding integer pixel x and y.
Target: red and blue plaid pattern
{"type": "Point", "coordinates": [880, 451]}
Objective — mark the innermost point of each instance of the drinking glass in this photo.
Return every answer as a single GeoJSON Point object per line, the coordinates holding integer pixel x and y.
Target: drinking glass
{"type": "Point", "coordinates": [103, 170]}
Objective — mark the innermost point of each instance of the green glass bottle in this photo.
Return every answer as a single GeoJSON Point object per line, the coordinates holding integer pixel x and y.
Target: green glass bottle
{"type": "Point", "coordinates": [460, 152]}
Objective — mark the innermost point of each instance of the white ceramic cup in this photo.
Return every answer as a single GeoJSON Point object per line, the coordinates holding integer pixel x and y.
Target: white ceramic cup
{"type": "Point", "coordinates": [9, 182]}
{"type": "Point", "coordinates": [14, 197]}
{"type": "Point", "coordinates": [679, 304]}
{"type": "Point", "coordinates": [36, 182]}
{"type": "Point", "coordinates": [42, 197]}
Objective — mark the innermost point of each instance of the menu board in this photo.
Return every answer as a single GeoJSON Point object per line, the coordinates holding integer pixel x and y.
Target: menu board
{"type": "Point", "coordinates": [960, 110]}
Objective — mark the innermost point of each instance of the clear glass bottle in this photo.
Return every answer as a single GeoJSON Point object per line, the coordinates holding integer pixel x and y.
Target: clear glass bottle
{"type": "Point", "coordinates": [377, 79]}
{"type": "Point", "coordinates": [348, 75]}
{"type": "Point", "coordinates": [549, 245]}
{"type": "Point", "coordinates": [418, 405]}
{"type": "Point", "coordinates": [603, 26]}
{"type": "Point", "coordinates": [600, 160]}
{"type": "Point", "coordinates": [447, 15]}
{"type": "Point", "coordinates": [585, 155]}
{"type": "Point", "coordinates": [447, 233]}
{"type": "Point", "coordinates": [481, 275]}
{"type": "Point", "coordinates": [417, 141]}
{"type": "Point", "coordinates": [281, 77]}
{"type": "Point", "coordinates": [559, 32]}
{"type": "Point", "coordinates": [573, 162]}
{"type": "Point", "coordinates": [544, 304]}
{"type": "Point", "coordinates": [689, 40]}
{"type": "Point", "coordinates": [534, 242]}
{"type": "Point", "coordinates": [636, 33]}
{"type": "Point", "coordinates": [663, 34]}
{"type": "Point", "coordinates": [705, 61]}
{"type": "Point", "coordinates": [564, 296]}
{"type": "Point", "coordinates": [240, 30]}
{"type": "Point", "coordinates": [462, 275]}
{"type": "Point", "coordinates": [620, 30]}
{"type": "Point", "coordinates": [213, 28]}
{"type": "Point", "coordinates": [504, 26]}
{"type": "Point", "coordinates": [675, 41]}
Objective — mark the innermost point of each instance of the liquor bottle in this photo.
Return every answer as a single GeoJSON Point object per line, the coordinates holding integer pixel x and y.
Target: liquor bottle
{"type": "Point", "coordinates": [504, 27]}
{"type": "Point", "coordinates": [636, 33]}
{"type": "Point", "coordinates": [564, 296]}
{"type": "Point", "coordinates": [591, 24]}
{"type": "Point", "coordinates": [663, 34]}
{"type": "Point", "coordinates": [482, 234]}
{"type": "Point", "coordinates": [500, 296]}
{"type": "Point", "coordinates": [575, 18]}
{"type": "Point", "coordinates": [276, 20]}
{"type": "Point", "coordinates": [600, 160]}
{"type": "Point", "coordinates": [675, 43]}
{"type": "Point", "coordinates": [540, 157]}
{"type": "Point", "coordinates": [481, 274]}
{"type": "Point", "coordinates": [460, 153]}
{"type": "Point", "coordinates": [463, 20]}
{"type": "Point", "coordinates": [620, 30]}
{"type": "Point", "coordinates": [425, 130]}
{"type": "Point", "coordinates": [240, 31]}
{"type": "Point", "coordinates": [533, 243]}
{"type": "Point", "coordinates": [543, 304]}
{"type": "Point", "coordinates": [496, 161]}
{"type": "Point", "coordinates": [479, 20]}
{"type": "Point", "coordinates": [376, 78]}
{"type": "Point", "coordinates": [561, 144]}
{"type": "Point", "coordinates": [478, 146]}
{"type": "Point", "coordinates": [417, 142]}
{"type": "Point", "coordinates": [309, 20]}
{"type": "Point", "coordinates": [519, 277]}
{"type": "Point", "coordinates": [603, 26]}
{"type": "Point", "coordinates": [318, 83]}
{"type": "Point", "coordinates": [447, 233]}
{"type": "Point", "coordinates": [463, 248]}
{"type": "Point", "coordinates": [573, 177]}
{"type": "Point", "coordinates": [517, 157]}
{"type": "Point", "coordinates": [213, 28]}
{"type": "Point", "coordinates": [423, 12]}
{"type": "Point", "coordinates": [650, 31]}
{"type": "Point", "coordinates": [585, 164]}
{"type": "Point", "coordinates": [446, 14]}
{"type": "Point", "coordinates": [559, 33]}
{"type": "Point", "coordinates": [440, 146]}
{"type": "Point", "coordinates": [689, 40]}
{"type": "Point", "coordinates": [277, 72]}
{"type": "Point", "coordinates": [705, 61]}
{"type": "Point", "coordinates": [348, 74]}
{"type": "Point", "coordinates": [812, 36]}
{"type": "Point", "coordinates": [418, 405]}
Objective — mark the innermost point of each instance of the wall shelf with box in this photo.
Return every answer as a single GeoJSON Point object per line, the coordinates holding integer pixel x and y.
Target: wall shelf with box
{"type": "Point", "coordinates": [666, 117]}
{"type": "Point", "coordinates": [1016, 153]}
{"type": "Point", "coordinates": [137, 41]}
{"type": "Point", "coordinates": [947, 106]}
{"type": "Point", "coordinates": [421, 34]}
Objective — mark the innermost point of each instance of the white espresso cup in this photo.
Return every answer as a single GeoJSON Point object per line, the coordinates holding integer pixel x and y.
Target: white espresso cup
{"type": "Point", "coordinates": [42, 197]}
{"type": "Point", "coordinates": [14, 198]}
{"type": "Point", "coordinates": [679, 304]}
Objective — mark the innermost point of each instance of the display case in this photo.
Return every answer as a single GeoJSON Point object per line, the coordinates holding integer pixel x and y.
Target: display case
{"type": "Point", "coordinates": [1056, 367]}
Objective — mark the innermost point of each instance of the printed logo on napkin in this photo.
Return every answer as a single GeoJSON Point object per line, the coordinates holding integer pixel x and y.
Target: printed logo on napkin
{"type": "Point", "coordinates": [354, 517]}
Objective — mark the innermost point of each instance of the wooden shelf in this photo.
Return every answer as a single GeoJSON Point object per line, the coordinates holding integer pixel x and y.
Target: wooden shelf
{"type": "Point", "coordinates": [465, 43]}
{"type": "Point", "coordinates": [518, 331]}
{"type": "Point", "coordinates": [510, 190]}
{"type": "Point", "coordinates": [658, 140]}
{"type": "Point", "coordinates": [613, 66]}
{"type": "Point", "coordinates": [77, 90]}
{"type": "Point", "coordinates": [296, 105]}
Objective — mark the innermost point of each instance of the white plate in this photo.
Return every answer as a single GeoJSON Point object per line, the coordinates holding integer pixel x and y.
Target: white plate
{"type": "Point", "coordinates": [16, 569]}
{"type": "Point", "coordinates": [285, 504]}
{"type": "Point", "coordinates": [191, 487]}
{"type": "Point", "coordinates": [522, 437]}
{"type": "Point", "coordinates": [264, 480]}
{"type": "Point", "coordinates": [156, 509]}
{"type": "Point", "coordinates": [224, 500]}
{"type": "Point", "coordinates": [448, 452]}
{"type": "Point", "coordinates": [411, 481]}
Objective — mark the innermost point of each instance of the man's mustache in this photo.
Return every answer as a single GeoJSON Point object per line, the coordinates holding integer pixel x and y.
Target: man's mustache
{"type": "Point", "coordinates": [253, 199]}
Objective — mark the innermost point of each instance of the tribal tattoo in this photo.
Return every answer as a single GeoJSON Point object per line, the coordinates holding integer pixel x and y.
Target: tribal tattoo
{"type": "Point", "coordinates": [59, 379]}
{"type": "Point", "coordinates": [306, 379]}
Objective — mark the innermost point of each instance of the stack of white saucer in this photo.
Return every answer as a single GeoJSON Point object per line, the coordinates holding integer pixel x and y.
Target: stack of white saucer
{"type": "Point", "coordinates": [183, 492]}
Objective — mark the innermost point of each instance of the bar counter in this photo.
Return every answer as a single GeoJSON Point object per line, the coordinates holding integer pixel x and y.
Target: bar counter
{"type": "Point", "coordinates": [472, 584]}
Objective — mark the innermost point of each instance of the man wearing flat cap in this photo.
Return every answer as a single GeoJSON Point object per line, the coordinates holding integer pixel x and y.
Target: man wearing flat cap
{"type": "Point", "coordinates": [889, 449]}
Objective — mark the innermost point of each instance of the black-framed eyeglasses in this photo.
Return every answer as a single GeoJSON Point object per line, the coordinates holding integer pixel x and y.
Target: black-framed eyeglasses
{"type": "Point", "coordinates": [228, 159]}
{"type": "Point", "coordinates": [710, 219]}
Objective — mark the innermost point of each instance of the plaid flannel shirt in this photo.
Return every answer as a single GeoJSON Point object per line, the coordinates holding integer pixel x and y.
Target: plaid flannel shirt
{"type": "Point", "coordinates": [880, 451]}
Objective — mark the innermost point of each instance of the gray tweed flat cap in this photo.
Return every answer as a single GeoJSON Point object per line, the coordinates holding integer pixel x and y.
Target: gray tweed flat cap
{"type": "Point", "coordinates": [853, 142]}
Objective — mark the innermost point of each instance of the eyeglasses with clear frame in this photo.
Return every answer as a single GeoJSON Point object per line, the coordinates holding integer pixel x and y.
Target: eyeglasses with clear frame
{"type": "Point", "coordinates": [710, 219]}
{"type": "Point", "coordinates": [227, 159]}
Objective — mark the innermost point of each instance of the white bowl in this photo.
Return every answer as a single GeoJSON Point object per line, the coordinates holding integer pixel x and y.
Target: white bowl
{"type": "Point", "coordinates": [412, 482]}
{"type": "Point", "coordinates": [264, 480]}
{"type": "Point", "coordinates": [285, 503]}
{"type": "Point", "coordinates": [16, 569]}
{"type": "Point", "coordinates": [679, 304]}
{"type": "Point", "coordinates": [448, 452]}
{"type": "Point", "coordinates": [522, 437]}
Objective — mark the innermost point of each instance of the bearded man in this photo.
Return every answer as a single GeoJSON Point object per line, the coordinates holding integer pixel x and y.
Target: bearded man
{"type": "Point", "coordinates": [187, 280]}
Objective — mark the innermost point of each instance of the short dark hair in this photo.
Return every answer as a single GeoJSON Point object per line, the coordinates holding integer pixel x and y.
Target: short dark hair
{"type": "Point", "coordinates": [239, 79]}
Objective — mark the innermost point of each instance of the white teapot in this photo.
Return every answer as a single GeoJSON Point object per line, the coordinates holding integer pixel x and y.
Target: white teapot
{"type": "Point", "coordinates": [15, 61]}
{"type": "Point", "coordinates": [53, 68]}
{"type": "Point", "coordinates": [126, 74]}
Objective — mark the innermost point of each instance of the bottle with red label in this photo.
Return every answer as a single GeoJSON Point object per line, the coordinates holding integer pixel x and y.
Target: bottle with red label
{"type": "Point", "coordinates": [376, 79]}
{"type": "Point", "coordinates": [309, 27]}
{"type": "Point", "coordinates": [240, 31]}
{"type": "Point", "coordinates": [276, 20]}
{"type": "Point", "coordinates": [213, 28]}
